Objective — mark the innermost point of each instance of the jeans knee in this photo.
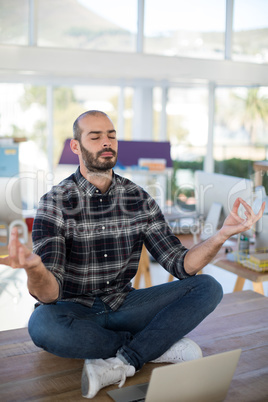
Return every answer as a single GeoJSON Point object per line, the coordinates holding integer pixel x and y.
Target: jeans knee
{"type": "Point", "coordinates": [213, 287]}
{"type": "Point", "coordinates": [38, 327]}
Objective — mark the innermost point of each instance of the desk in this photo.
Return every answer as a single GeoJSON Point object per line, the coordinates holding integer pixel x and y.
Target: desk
{"type": "Point", "coordinates": [242, 272]}
{"type": "Point", "coordinates": [29, 373]}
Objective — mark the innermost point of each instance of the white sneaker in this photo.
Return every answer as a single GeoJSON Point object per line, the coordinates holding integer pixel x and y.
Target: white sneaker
{"type": "Point", "coordinates": [183, 350]}
{"type": "Point", "coordinates": [98, 373]}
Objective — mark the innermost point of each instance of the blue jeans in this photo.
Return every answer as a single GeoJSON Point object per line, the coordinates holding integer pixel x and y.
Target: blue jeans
{"type": "Point", "coordinates": [146, 325]}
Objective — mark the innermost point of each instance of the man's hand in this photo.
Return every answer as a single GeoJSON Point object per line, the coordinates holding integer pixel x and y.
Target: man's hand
{"type": "Point", "coordinates": [19, 255]}
{"type": "Point", "coordinates": [42, 284]}
{"type": "Point", "coordinates": [234, 224]}
{"type": "Point", "coordinates": [201, 254]}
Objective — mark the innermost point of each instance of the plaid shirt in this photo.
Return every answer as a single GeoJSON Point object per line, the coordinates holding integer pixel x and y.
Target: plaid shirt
{"type": "Point", "coordinates": [92, 242]}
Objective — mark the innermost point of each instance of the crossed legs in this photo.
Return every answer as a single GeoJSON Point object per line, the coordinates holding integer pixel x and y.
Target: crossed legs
{"type": "Point", "coordinates": [144, 327]}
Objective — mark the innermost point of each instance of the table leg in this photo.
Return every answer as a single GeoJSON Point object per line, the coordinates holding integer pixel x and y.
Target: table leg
{"type": "Point", "coordinates": [137, 279]}
{"type": "Point", "coordinates": [258, 287]}
{"type": "Point", "coordinates": [239, 284]}
{"type": "Point", "coordinates": [144, 269]}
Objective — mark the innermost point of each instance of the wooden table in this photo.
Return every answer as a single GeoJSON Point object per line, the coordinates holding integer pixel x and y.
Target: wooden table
{"type": "Point", "coordinates": [243, 273]}
{"type": "Point", "coordinates": [240, 321]}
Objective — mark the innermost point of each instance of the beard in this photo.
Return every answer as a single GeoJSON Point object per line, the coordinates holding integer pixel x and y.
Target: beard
{"type": "Point", "coordinates": [92, 162]}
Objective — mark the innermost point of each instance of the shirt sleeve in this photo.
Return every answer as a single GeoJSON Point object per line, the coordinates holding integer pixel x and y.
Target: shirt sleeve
{"type": "Point", "coordinates": [164, 246]}
{"type": "Point", "coordinates": [48, 237]}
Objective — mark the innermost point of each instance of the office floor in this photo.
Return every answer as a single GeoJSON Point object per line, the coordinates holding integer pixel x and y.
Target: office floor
{"type": "Point", "coordinates": [16, 304]}
{"type": "Point", "coordinates": [28, 373]}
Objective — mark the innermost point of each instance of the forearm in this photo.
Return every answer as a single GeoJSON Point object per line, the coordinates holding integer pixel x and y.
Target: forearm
{"type": "Point", "coordinates": [201, 254]}
{"type": "Point", "coordinates": [42, 283]}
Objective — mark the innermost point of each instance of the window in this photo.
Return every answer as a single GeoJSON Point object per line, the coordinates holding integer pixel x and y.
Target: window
{"type": "Point", "coordinates": [88, 24]}
{"type": "Point", "coordinates": [187, 122]}
{"type": "Point", "coordinates": [187, 128]}
{"type": "Point", "coordinates": [241, 129]}
{"type": "Point", "coordinates": [14, 22]}
{"type": "Point", "coordinates": [23, 114]}
{"type": "Point", "coordinates": [128, 114]}
{"type": "Point", "coordinates": [70, 102]}
{"type": "Point", "coordinates": [250, 37]}
{"type": "Point", "coordinates": [190, 28]}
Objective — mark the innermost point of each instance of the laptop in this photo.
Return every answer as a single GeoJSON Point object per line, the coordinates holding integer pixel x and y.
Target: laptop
{"type": "Point", "coordinates": [203, 380]}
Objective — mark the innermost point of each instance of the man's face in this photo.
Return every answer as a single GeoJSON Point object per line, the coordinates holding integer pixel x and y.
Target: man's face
{"type": "Point", "coordinates": [98, 143]}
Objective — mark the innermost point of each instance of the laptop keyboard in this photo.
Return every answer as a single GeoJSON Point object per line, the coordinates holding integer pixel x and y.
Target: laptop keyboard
{"type": "Point", "coordinates": [143, 388]}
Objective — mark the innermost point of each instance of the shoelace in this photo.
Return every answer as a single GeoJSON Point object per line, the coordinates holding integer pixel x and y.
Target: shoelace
{"type": "Point", "coordinates": [123, 373]}
{"type": "Point", "coordinates": [104, 379]}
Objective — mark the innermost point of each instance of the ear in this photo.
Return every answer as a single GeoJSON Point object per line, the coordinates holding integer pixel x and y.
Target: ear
{"type": "Point", "coordinates": [75, 147]}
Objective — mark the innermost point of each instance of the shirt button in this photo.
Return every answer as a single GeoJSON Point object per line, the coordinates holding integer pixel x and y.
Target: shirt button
{"type": "Point", "coordinates": [103, 227]}
{"type": "Point", "coordinates": [97, 191]}
{"type": "Point", "coordinates": [100, 199]}
{"type": "Point", "coordinates": [105, 255]}
{"type": "Point", "coordinates": [107, 282]}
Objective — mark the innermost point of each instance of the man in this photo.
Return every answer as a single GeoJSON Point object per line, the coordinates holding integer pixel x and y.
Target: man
{"type": "Point", "coordinates": [87, 239]}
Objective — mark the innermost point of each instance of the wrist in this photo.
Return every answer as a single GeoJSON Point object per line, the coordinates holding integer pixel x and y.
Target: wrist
{"type": "Point", "coordinates": [221, 237]}
{"type": "Point", "coordinates": [34, 266]}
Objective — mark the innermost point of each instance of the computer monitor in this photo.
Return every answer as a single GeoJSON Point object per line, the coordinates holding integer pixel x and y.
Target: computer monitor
{"type": "Point", "coordinates": [215, 195]}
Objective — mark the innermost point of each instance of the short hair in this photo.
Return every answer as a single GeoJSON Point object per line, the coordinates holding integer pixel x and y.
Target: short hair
{"type": "Point", "coordinates": [76, 128]}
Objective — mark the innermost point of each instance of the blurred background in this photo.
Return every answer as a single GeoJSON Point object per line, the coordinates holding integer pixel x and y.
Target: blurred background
{"type": "Point", "coordinates": [193, 74]}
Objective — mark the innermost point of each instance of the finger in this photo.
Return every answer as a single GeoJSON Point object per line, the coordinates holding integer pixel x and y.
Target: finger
{"type": "Point", "coordinates": [236, 206]}
{"type": "Point", "coordinates": [260, 213]}
{"type": "Point", "coordinates": [13, 248]}
{"type": "Point", "coordinates": [14, 233]}
{"type": "Point", "coordinates": [21, 257]}
{"type": "Point", "coordinates": [262, 208]}
{"type": "Point", "coordinates": [252, 218]}
{"type": "Point", "coordinates": [13, 243]}
{"type": "Point", "coordinates": [250, 211]}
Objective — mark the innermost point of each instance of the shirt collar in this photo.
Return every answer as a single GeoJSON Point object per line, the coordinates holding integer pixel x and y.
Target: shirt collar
{"type": "Point", "coordinates": [89, 188]}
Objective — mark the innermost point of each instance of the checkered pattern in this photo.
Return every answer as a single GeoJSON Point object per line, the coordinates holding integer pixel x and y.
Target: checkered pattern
{"type": "Point", "coordinates": [92, 242]}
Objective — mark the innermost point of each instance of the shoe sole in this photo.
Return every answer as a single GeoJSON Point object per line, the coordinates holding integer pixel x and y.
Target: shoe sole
{"type": "Point", "coordinates": [84, 383]}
